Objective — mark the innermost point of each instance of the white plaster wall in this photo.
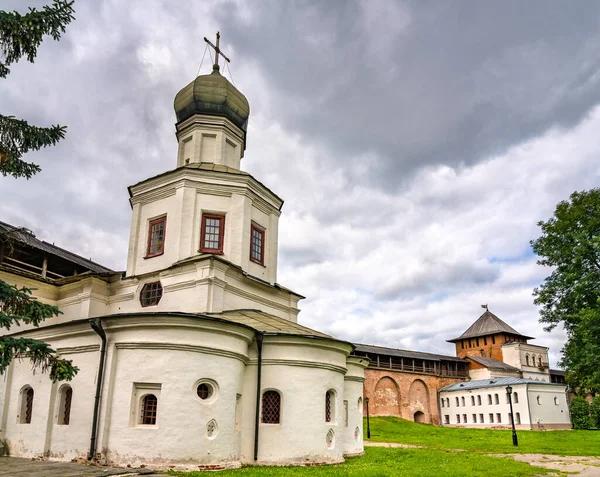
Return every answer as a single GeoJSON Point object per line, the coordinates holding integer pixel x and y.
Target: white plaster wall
{"type": "Point", "coordinates": [547, 413]}
{"type": "Point", "coordinates": [353, 392]}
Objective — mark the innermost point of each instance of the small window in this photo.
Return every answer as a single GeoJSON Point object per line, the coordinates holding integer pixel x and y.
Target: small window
{"type": "Point", "coordinates": [446, 419]}
{"type": "Point", "coordinates": [556, 401]}
{"type": "Point", "coordinates": [510, 419]}
{"type": "Point", "coordinates": [539, 400]}
{"type": "Point", "coordinates": [518, 418]}
{"type": "Point", "coordinates": [474, 416]}
{"type": "Point", "coordinates": [462, 344]}
{"type": "Point", "coordinates": [213, 230]}
{"type": "Point", "coordinates": [360, 405]}
{"type": "Point", "coordinates": [463, 400]}
{"type": "Point", "coordinates": [148, 410]}
{"type": "Point", "coordinates": [476, 341]}
{"type": "Point", "coordinates": [257, 245]}
{"type": "Point", "coordinates": [465, 418]}
{"type": "Point", "coordinates": [156, 237]}
{"type": "Point", "coordinates": [457, 402]}
{"type": "Point", "coordinates": [491, 418]}
{"type": "Point", "coordinates": [489, 399]}
{"type": "Point", "coordinates": [493, 339]}
{"type": "Point", "coordinates": [329, 406]}
{"type": "Point", "coordinates": [204, 391]}
{"type": "Point", "coordinates": [64, 408]}
{"type": "Point", "coordinates": [443, 402]}
{"type": "Point", "coordinates": [527, 359]}
{"type": "Point", "coordinates": [481, 418]}
{"type": "Point", "coordinates": [458, 418]}
{"type": "Point", "coordinates": [515, 398]}
{"type": "Point", "coordinates": [498, 417]}
{"type": "Point", "coordinates": [484, 340]}
{"type": "Point", "coordinates": [496, 399]}
{"type": "Point", "coordinates": [26, 405]}
{"type": "Point", "coordinates": [479, 400]}
{"type": "Point", "coordinates": [151, 294]}
{"type": "Point", "coordinates": [472, 400]}
{"type": "Point", "coordinates": [271, 407]}
{"type": "Point", "coordinates": [345, 413]}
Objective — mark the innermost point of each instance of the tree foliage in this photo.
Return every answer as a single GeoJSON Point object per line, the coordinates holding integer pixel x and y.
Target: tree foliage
{"type": "Point", "coordinates": [595, 411]}
{"type": "Point", "coordinates": [20, 36]}
{"type": "Point", "coordinates": [580, 413]}
{"type": "Point", "coordinates": [570, 295]}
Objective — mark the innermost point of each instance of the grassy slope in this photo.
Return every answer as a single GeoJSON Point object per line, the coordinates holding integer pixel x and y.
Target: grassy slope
{"type": "Point", "coordinates": [383, 462]}
{"type": "Point", "coordinates": [390, 429]}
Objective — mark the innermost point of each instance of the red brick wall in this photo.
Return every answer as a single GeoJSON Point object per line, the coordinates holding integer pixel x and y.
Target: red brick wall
{"type": "Point", "coordinates": [486, 347]}
{"type": "Point", "coordinates": [402, 394]}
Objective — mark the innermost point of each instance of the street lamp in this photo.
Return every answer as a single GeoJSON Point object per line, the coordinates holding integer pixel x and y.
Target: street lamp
{"type": "Point", "coordinates": [512, 416]}
{"type": "Point", "coordinates": [368, 426]}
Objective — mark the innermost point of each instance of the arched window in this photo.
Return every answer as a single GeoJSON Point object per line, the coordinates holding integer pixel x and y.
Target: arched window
{"type": "Point", "coordinates": [556, 401]}
{"type": "Point", "coordinates": [518, 418]}
{"type": "Point", "coordinates": [64, 407]}
{"type": "Point", "coordinates": [457, 402]}
{"type": "Point", "coordinates": [489, 399]}
{"type": "Point", "coordinates": [148, 410]}
{"type": "Point", "coordinates": [271, 407]}
{"type": "Point", "coordinates": [26, 405]}
{"type": "Point", "coordinates": [479, 400]}
{"type": "Point", "coordinates": [472, 400]}
{"type": "Point", "coordinates": [329, 406]}
{"type": "Point", "coordinates": [539, 400]}
{"type": "Point", "coordinates": [360, 407]}
{"type": "Point", "coordinates": [516, 397]}
{"type": "Point", "coordinates": [533, 360]}
{"type": "Point", "coordinates": [527, 359]}
{"type": "Point", "coordinates": [443, 402]}
{"type": "Point", "coordinates": [496, 399]}
{"type": "Point", "coordinates": [463, 400]}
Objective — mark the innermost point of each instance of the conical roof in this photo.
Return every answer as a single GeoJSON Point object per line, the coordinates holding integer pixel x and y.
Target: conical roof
{"type": "Point", "coordinates": [488, 324]}
{"type": "Point", "coordinates": [212, 94]}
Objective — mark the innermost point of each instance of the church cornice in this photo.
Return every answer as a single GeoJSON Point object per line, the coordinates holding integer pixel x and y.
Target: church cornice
{"type": "Point", "coordinates": [183, 347]}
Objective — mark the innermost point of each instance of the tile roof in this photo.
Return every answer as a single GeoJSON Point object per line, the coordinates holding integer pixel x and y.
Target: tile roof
{"type": "Point", "coordinates": [402, 353]}
{"type": "Point", "coordinates": [267, 323]}
{"type": "Point", "coordinates": [492, 363]}
{"type": "Point", "coordinates": [488, 324]}
{"type": "Point", "coordinates": [494, 382]}
{"type": "Point", "coordinates": [28, 238]}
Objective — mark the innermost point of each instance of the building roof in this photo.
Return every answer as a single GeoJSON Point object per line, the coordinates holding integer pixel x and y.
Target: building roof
{"type": "Point", "coordinates": [402, 353]}
{"type": "Point", "coordinates": [28, 238]}
{"type": "Point", "coordinates": [492, 363]}
{"type": "Point", "coordinates": [557, 372]}
{"type": "Point", "coordinates": [488, 324]}
{"type": "Point", "coordinates": [267, 323]}
{"type": "Point", "coordinates": [494, 382]}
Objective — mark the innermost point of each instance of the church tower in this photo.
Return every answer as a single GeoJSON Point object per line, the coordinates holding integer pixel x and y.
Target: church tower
{"type": "Point", "coordinates": [207, 213]}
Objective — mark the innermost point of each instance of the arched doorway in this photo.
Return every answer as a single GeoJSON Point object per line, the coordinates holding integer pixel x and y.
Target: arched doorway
{"type": "Point", "coordinates": [419, 417]}
{"type": "Point", "coordinates": [418, 397]}
{"type": "Point", "coordinates": [386, 398]}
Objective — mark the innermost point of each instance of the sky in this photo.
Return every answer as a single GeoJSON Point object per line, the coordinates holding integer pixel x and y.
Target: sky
{"type": "Point", "coordinates": [417, 144]}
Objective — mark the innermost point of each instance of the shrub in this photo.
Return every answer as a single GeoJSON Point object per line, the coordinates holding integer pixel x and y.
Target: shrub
{"type": "Point", "coordinates": [595, 412]}
{"type": "Point", "coordinates": [580, 413]}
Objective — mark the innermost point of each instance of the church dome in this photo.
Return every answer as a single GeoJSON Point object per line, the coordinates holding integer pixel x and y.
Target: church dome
{"type": "Point", "coordinates": [212, 94]}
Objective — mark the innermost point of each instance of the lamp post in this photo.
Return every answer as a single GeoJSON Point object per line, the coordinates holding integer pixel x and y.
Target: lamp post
{"type": "Point", "coordinates": [512, 416]}
{"type": "Point", "coordinates": [368, 425]}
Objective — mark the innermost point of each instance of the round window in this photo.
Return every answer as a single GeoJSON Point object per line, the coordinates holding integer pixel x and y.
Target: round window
{"type": "Point", "coordinates": [204, 391]}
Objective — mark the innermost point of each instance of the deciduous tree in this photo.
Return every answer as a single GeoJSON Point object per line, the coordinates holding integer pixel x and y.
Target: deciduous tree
{"type": "Point", "coordinates": [570, 295]}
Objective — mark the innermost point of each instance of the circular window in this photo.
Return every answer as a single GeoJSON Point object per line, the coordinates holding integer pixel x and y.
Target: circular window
{"type": "Point", "coordinates": [204, 391]}
{"type": "Point", "coordinates": [330, 439]}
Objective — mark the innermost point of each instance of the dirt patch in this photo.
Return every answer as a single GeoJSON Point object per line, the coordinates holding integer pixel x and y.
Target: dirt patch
{"type": "Point", "coordinates": [577, 465]}
{"type": "Point", "coordinates": [392, 444]}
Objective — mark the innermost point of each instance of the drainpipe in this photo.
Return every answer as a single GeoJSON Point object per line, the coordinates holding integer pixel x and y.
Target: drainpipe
{"type": "Point", "coordinates": [96, 325]}
{"type": "Point", "coordinates": [259, 342]}
{"type": "Point", "coordinates": [528, 406]}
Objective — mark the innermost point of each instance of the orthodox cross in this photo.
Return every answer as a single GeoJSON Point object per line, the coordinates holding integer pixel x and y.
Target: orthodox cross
{"type": "Point", "coordinates": [217, 51]}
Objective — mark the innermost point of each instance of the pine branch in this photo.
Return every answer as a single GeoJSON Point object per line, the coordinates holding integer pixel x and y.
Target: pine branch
{"type": "Point", "coordinates": [21, 35]}
{"type": "Point", "coordinates": [18, 137]}
{"type": "Point", "coordinates": [40, 354]}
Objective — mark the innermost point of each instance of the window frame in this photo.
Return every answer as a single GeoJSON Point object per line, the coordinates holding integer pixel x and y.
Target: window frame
{"type": "Point", "coordinates": [64, 405]}
{"type": "Point", "coordinates": [152, 223]}
{"type": "Point", "coordinates": [26, 405]}
{"type": "Point", "coordinates": [202, 248]}
{"type": "Point", "coordinates": [262, 408]}
{"type": "Point", "coordinates": [263, 234]}
{"type": "Point", "coordinates": [143, 411]}
{"type": "Point", "coordinates": [146, 286]}
{"type": "Point", "coordinates": [329, 406]}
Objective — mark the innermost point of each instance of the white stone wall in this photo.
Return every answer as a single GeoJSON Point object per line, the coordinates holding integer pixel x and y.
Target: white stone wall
{"type": "Point", "coordinates": [353, 396]}
{"type": "Point", "coordinates": [549, 407]}
{"type": "Point", "coordinates": [515, 354]}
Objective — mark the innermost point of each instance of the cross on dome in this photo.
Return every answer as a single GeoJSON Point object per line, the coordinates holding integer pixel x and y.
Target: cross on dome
{"type": "Point", "coordinates": [217, 51]}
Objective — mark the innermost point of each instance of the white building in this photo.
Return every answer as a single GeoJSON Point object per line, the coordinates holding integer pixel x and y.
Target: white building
{"type": "Point", "coordinates": [193, 355]}
{"type": "Point", "coordinates": [484, 403]}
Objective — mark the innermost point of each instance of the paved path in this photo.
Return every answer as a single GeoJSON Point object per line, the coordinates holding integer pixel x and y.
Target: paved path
{"type": "Point", "coordinates": [16, 467]}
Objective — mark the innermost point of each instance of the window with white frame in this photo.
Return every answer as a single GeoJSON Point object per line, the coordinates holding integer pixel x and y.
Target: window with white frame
{"type": "Point", "coordinates": [26, 410]}
{"type": "Point", "coordinates": [64, 405]}
{"type": "Point", "coordinates": [144, 404]}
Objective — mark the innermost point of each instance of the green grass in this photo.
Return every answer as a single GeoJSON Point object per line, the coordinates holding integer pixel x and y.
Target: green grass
{"type": "Point", "coordinates": [439, 455]}
{"type": "Point", "coordinates": [391, 429]}
{"type": "Point", "coordinates": [384, 462]}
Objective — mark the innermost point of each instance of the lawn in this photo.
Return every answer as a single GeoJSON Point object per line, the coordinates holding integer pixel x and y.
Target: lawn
{"type": "Point", "coordinates": [446, 451]}
{"type": "Point", "coordinates": [390, 429]}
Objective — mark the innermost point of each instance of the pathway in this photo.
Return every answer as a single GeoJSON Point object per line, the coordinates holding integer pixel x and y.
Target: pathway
{"type": "Point", "coordinates": [17, 467]}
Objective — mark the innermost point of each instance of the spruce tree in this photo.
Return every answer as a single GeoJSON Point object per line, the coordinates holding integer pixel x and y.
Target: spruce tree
{"type": "Point", "coordinates": [21, 36]}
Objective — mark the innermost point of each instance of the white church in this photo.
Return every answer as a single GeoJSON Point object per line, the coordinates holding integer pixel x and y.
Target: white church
{"type": "Point", "coordinates": [193, 357]}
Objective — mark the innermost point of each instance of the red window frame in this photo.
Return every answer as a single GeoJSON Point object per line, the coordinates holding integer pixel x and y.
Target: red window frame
{"type": "Point", "coordinates": [261, 232]}
{"type": "Point", "coordinates": [149, 410]}
{"type": "Point", "coordinates": [204, 249]}
{"type": "Point", "coordinates": [162, 245]}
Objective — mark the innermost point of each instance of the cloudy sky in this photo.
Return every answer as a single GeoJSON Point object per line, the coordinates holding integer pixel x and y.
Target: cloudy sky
{"type": "Point", "coordinates": [416, 143]}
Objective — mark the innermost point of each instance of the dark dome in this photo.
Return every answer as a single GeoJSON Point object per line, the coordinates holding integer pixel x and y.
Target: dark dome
{"type": "Point", "coordinates": [212, 94]}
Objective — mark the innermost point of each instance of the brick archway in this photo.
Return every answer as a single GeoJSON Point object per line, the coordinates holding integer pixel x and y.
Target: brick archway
{"type": "Point", "coordinates": [386, 398]}
{"type": "Point", "coordinates": [418, 401]}
{"type": "Point", "coordinates": [419, 417]}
